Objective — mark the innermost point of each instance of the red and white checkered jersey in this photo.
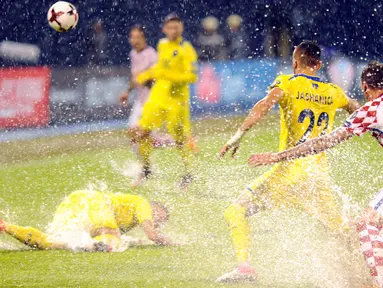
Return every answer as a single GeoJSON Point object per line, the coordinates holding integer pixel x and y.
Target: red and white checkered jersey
{"type": "Point", "coordinates": [368, 118]}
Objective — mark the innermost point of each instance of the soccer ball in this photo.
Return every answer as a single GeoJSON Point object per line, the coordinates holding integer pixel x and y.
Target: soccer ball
{"type": "Point", "coordinates": [62, 16]}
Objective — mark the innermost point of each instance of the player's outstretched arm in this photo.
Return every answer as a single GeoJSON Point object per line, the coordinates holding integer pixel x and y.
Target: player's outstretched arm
{"type": "Point", "coordinates": [260, 109]}
{"type": "Point", "coordinates": [311, 147]}
{"type": "Point", "coordinates": [154, 234]}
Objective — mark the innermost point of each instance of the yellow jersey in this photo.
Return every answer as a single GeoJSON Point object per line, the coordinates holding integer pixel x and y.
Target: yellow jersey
{"type": "Point", "coordinates": [93, 210]}
{"type": "Point", "coordinates": [307, 108]}
{"type": "Point", "coordinates": [175, 70]}
{"type": "Point", "coordinates": [130, 210]}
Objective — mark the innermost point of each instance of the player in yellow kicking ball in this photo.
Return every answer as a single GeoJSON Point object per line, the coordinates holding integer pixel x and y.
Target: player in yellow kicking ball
{"type": "Point", "coordinates": [169, 97]}
{"type": "Point", "coordinates": [307, 107]}
{"type": "Point", "coordinates": [93, 221]}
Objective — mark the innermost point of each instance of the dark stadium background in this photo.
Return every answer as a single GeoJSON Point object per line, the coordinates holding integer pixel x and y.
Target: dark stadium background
{"type": "Point", "coordinates": [344, 25]}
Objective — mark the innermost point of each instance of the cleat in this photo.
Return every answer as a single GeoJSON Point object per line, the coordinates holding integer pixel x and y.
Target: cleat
{"type": "Point", "coordinates": [240, 274]}
{"type": "Point", "coordinates": [145, 174]}
{"type": "Point", "coordinates": [186, 180]}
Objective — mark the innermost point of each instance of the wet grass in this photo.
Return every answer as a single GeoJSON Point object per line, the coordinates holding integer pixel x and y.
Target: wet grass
{"type": "Point", "coordinates": [289, 248]}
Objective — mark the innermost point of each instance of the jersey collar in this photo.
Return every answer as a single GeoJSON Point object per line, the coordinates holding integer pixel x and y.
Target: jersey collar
{"type": "Point", "coordinates": [315, 78]}
{"type": "Point", "coordinates": [179, 40]}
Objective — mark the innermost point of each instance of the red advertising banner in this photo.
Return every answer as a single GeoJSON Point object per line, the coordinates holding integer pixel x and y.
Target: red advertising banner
{"type": "Point", "coordinates": [24, 97]}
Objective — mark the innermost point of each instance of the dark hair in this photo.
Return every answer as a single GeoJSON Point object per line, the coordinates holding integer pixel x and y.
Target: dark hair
{"type": "Point", "coordinates": [311, 53]}
{"type": "Point", "coordinates": [139, 28]}
{"type": "Point", "coordinates": [373, 75]}
{"type": "Point", "coordinates": [172, 17]}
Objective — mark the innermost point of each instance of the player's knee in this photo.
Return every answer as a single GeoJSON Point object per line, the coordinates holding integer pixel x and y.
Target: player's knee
{"type": "Point", "coordinates": [138, 133]}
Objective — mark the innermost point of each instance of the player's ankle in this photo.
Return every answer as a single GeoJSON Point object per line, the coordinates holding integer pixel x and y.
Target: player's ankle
{"type": "Point", "coordinates": [146, 171]}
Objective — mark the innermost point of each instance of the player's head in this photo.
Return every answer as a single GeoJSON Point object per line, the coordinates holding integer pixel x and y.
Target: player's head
{"type": "Point", "coordinates": [372, 80]}
{"type": "Point", "coordinates": [137, 37]}
{"type": "Point", "coordinates": [160, 213]}
{"type": "Point", "coordinates": [307, 55]}
{"type": "Point", "coordinates": [173, 27]}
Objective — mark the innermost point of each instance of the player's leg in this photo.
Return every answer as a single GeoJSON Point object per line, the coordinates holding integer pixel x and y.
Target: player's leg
{"type": "Point", "coordinates": [134, 117]}
{"type": "Point", "coordinates": [316, 196]}
{"type": "Point", "coordinates": [151, 119]}
{"type": "Point", "coordinates": [322, 205]}
{"type": "Point", "coordinates": [257, 196]}
{"type": "Point", "coordinates": [29, 236]}
{"type": "Point", "coordinates": [369, 227]}
{"type": "Point", "coordinates": [236, 216]}
{"type": "Point", "coordinates": [191, 141]}
{"type": "Point", "coordinates": [175, 123]}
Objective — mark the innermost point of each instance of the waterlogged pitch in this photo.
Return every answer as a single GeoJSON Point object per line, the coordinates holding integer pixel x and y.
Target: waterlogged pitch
{"type": "Point", "coordinates": [289, 248]}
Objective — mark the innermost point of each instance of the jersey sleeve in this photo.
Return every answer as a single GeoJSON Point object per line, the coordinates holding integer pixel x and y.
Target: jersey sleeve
{"type": "Point", "coordinates": [342, 99]}
{"type": "Point", "coordinates": [358, 123]}
{"type": "Point", "coordinates": [189, 74]}
{"type": "Point", "coordinates": [281, 82]}
{"type": "Point", "coordinates": [143, 211]}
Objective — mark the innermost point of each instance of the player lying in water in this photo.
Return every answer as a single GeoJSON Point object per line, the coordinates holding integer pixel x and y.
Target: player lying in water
{"type": "Point", "coordinates": [93, 221]}
{"type": "Point", "coordinates": [367, 118]}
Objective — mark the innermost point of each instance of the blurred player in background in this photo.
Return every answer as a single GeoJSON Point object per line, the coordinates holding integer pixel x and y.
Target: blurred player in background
{"type": "Point", "coordinates": [93, 221]}
{"type": "Point", "coordinates": [368, 118]}
{"type": "Point", "coordinates": [307, 107]}
{"type": "Point", "coordinates": [169, 100]}
{"type": "Point", "coordinates": [142, 57]}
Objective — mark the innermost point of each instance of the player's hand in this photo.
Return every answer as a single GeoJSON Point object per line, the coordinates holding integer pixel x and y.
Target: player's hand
{"type": "Point", "coordinates": [149, 84]}
{"type": "Point", "coordinates": [263, 159]}
{"type": "Point", "coordinates": [176, 244]}
{"type": "Point", "coordinates": [232, 144]}
{"type": "Point", "coordinates": [124, 97]}
{"type": "Point", "coordinates": [234, 148]}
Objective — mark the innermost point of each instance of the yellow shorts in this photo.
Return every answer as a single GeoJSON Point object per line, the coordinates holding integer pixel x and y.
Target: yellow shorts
{"type": "Point", "coordinates": [175, 117]}
{"type": "Point", "coordinates": [303, 184]}
{"type": "Point", "coordinates": [170, 107]}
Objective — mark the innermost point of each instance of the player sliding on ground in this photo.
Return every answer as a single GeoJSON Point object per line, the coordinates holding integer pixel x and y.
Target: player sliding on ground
{"type": "Point", "coordinates": [368, 118]}
{"type": "Point", "coordinates": [93, 221]}
{"type": "Point", "coordinates": [307, 107]}
{"type": "Point", "coordinates": [169, 97]}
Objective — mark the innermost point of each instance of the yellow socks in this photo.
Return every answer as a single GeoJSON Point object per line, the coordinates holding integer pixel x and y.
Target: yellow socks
{"type": "Point", "coordinates": [186, 156]}
{"type": "Point", "coordinates": [145, 149]}
{"type": "Point", "coordinates": [235, 216]}
{"type": "Point", "coordinates": [29, 236]}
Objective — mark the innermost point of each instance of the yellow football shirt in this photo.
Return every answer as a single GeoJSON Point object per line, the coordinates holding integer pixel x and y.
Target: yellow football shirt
{"type": "Point", "coordinates": [307, 108]}
{"type": "Point", "coordinates": [94, 210]}
{"type": "Point", "coordinates": [130, 210]}
{"type": "Point", "coordinates": [175, 70]}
